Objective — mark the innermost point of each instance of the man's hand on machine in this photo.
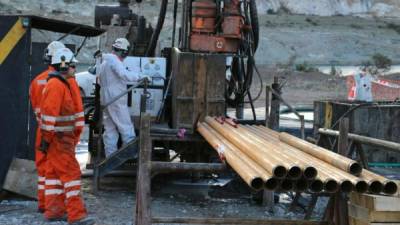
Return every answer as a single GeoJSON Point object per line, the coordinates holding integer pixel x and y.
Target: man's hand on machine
{"type": "Point", "coordinates": [44, 146]}
{"type": "Point", "coordinates": [149, 78]}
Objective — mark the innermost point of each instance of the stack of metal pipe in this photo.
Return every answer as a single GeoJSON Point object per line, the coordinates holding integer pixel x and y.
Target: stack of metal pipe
{"type": "Point", "coordinates": [264, 158]}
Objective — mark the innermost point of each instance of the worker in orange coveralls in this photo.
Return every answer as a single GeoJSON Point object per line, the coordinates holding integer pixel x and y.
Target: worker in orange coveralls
{"type": "Point", "coordinates": [35, 95]}
{"type": "Point", "coordinates": [60, 129]}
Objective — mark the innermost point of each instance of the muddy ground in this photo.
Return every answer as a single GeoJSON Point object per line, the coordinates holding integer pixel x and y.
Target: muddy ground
{"type": "Point", "coordinates": [115, 204]}
{"type": "Point", "coordinates": [301, 88]}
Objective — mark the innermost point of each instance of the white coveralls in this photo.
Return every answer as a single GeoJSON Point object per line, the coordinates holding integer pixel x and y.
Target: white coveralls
{"type": "Point", "coordinates": [363, 87]}
{"type": "Point", "coordinates": [113, 78]}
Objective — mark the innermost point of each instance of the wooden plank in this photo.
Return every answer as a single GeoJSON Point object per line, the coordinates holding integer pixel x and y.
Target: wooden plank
{"type": "Point", "coordinates": [343, 136]}
{"type": "Point", "coordinates": [354, 221]}
{"type": "Point", "coordinates": [236, 221]}
{"type": "Point", "coordinates": [364, 214]}
{"type": "Point", "coordinates": [376, 202]}
{"type": "Point", "coordinates": [143, 197]}
{"type": "Point", "coordinates": [22, 178]}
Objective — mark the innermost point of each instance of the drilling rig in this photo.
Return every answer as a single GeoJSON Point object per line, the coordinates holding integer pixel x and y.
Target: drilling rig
{"type": "Point", "coordinates": [207, 69]}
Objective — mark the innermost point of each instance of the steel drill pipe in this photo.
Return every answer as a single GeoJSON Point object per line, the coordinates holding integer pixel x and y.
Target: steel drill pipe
{"type": "Point", "coordinates": [268, 162]}
{"type": "Point", "coordinates": [346, 181]}
{"type": "Point", "coordinates": [330, 182]}
{"type": "Point", "coordinates": [332, 158]}
{"type": "Point", "coordinates": [270, 182]}
{"type": "Point", "coordinates": [286, 185]}
{"type": "Point", "coordinates": [301, 185]}
{"type": "Point", "coordinates": [245, 172]}
{"type": "Point", "coordinates": [294, 169]}
{"type": "Point", "coordinates": [316, 185]}
{"type": "Point", "coordinates": [309, 172]}
{"type": "Point", "coordinates": [389, 187]}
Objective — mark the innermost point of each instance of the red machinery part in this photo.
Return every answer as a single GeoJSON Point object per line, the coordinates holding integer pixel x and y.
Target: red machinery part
{"type": "Point", "coordinates": [232, 26]}
{"type": "Point", "coordinates": [206, 43]}
{"type": "Point", "coordinates": [204, 14]}
{"type": "Point", "coordinates": [203, 25]}
{"type": "Point", "coordinates": [232, 7]}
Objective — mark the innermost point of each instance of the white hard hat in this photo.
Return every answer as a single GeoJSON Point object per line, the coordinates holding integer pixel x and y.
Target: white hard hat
{"type": "Point", "coordinates": [121, 43]}
{"type": "Point", "coordinates": [63, 55]}
{"type": "Point", "coordinates": [53, 47]}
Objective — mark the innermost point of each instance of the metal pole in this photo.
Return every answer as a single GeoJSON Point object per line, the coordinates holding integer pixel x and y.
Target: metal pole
{"type": "Point", "coordinates": [343, 136]}
{"type": "Point", "coordinates": [174, 26]}
{"type": "Point", "coordinates": [341, 213]}
{"type": "Point", "coordinates": [167, 167]}
{"type": "Point", "coordinates": [302, 127]}
{"type": "Point", "coordinates": [96, 177]}
{"type": "Point", "coordinates": [267, 103]}
{"type": "Point", "coordinates": [392, 146]}
{"type": "Point", "coordinates": [275, 104]}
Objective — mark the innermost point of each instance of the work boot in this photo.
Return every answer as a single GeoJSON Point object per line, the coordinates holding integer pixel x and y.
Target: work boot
{"type": "Point", "coordinates": [40, 210]}
{"type": "Point", "coordinates": [57, 219]}
{"type": "Point", "coordinates": [84, 221]}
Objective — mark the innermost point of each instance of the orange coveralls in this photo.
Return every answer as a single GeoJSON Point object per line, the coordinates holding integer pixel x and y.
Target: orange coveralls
{"type": "Point", "coordinates": [61, 125]}
{"type": "Point", "coordinates": [35, 95]}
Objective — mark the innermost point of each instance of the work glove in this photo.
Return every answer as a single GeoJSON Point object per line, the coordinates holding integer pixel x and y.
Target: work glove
{"type": "Point", "coordinates": [97, 54]}
{"type": "Point", "coordinates": [44, 146]}
{"type": "Point", "coordinates": [149, 78]}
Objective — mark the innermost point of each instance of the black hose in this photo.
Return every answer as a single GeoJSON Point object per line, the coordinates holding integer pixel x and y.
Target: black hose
{"type": "Point", "coordinates": [174, 26]}
{"type": "Point", "coordinates": [253, 110]}
{"type": "Point", "coordinates": [254, 23]}
{"type": "Point", "coordinates": [242, 77]}
{"type": "Point", "coordinates": [156, 34]}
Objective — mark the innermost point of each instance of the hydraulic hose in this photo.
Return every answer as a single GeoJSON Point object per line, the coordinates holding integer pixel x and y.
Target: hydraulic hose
{"type": "Point", "coordinates": [157, 31]}
{"type": "Point", "coordinates": [254, 23]}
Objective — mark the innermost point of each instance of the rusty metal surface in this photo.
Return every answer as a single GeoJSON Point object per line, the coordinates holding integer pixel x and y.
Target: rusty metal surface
{"type": "Point", "coordinates": [198, 87]}
{"type": "Point", "coordinates": [232, 26]}
{"type": "Point", "coordinates": [217, 44]}
{"type": "Point", "coordinates": [203, 25]}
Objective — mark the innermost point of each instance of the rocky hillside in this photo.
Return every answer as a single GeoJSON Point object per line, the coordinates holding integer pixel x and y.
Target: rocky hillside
{"type": "Point", "coordinates": [379, 8]}
{"type": "Point", "coordinates": [328, 32]}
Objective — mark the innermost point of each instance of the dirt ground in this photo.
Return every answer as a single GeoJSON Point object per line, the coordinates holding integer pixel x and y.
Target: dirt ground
{"type": "Point", "coordinates": [301, 88]}
{"type": "Point", "coordinates": [115, 204]}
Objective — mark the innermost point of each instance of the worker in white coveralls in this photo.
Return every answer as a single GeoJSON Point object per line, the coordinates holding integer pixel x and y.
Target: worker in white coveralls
{"type": "Point", "coordinates": [363, 82]}
{"type": "Point", "coordinates": [113, 79]}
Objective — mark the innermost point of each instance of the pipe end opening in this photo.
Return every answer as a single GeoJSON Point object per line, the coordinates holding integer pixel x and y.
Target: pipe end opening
{"type": "Point", "coordinates": [294, 172]}
{"type": "Point", "coordinates": [375, 187]}
{"type": "Point", "coordinates": [287, 185]}
{"type": "Point", "coordinates": [390, 188]}
{"type": "Point", "coordinates": [310, 172]}
{"type": "Point", "coordinates": [355, 168]}
{"type": "Point", "coordinates": [331, 186]}
{"type": "Point", "coordinates": [280, 172]}
{"type": "Point", "coordinates": [362, 186]}
{"type": "Point", "coordinates": [271, 184]}
{"type": "Point", "coordinates": [257, 183]}
{"type": "Point", "coordinates": [316, 186]}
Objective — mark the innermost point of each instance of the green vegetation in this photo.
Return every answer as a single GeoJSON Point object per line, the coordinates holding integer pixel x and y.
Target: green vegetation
{"type": "Point", "coordinates": [378, 64]}
{"type": "Point", "coordinates": [393, 26]}
{"type": "Point", "coordinates": [312, 22]}
{"type": "Point", "coordinates": [356, 26]}
{"type": "Point", "coordinates": [305, 67]}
